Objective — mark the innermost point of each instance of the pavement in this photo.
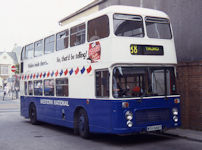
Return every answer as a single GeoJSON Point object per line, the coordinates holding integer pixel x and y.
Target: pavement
{"type": "Point", "coordinates": [194, 135]}
{"type": "Point", "coordinates": [186, 133]}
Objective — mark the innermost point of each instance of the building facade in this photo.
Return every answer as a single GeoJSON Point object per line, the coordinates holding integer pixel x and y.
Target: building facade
{"type": "Point", "coordinates": [7, 59]}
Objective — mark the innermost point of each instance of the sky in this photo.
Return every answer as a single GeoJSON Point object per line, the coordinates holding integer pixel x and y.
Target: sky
{"type": "Point", "coordinates": [22, 21]}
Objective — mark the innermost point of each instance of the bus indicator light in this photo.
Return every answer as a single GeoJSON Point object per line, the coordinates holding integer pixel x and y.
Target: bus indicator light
{"type": "Point", "coordinates": [125, 104]}
{"type": "Point", "coordinates": [177, 101]}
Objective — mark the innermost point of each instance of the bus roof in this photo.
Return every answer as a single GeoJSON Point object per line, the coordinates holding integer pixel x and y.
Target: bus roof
{"type": "Point", "coordinates": [108, 10]}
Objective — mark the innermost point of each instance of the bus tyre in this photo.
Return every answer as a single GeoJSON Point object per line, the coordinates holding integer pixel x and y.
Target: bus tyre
{"type": "Point", "coordinates": [83, 125]}
{"type": "Point", "coordinates": [33, 114]}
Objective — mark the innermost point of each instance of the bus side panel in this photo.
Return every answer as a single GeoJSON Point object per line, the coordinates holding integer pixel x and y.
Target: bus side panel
{"type": "Point", "coordinates": [24, 107]}
{"type": "Point", "coordinates": [99, 114]}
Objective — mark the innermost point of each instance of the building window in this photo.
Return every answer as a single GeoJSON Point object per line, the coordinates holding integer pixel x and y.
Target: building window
{"type": "Point", "coordinates": [102, 83]}
{"type": "Point", "coordinates": [38, 48]}
{"type": "Point", "coordinates": [29, 51]}
{"type": "Point", "coordinates": [77, 35]}
{"type": "Point", "coordinates": [49, 87]}
{"type": "Point", "coordinates": [62, 87]}
{"type": "Point", "coordinates": [30, 88]}
{"type": "Point", "coordinates": [98, 28]}
{"type": "Point", "coordinates": [49, 44]}
{"type": "Point", "coordinates": [62, 40]}
{"type": "Point", "coordinates": [38, 88]}
{"type": "Point", "coordinates": [4, 70]}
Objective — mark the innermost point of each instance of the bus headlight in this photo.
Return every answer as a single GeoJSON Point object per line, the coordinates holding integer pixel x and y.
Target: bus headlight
{"type": "Point", "coordinates": [175, 118]}
{"type": "Point", "coordinates": [175, 111]}
{"type": "Point", "coordinates": [129, 115]}
{"type": "Point", "coordinates": [129, 124]}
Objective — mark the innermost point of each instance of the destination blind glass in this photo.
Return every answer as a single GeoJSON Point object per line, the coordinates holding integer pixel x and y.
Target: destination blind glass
{"type": "Point", "coordinates": [146, 50]}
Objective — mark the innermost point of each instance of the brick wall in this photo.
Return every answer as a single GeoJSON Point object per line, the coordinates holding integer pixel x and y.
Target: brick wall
{"type": "Point", "coordinates": [189, 83]}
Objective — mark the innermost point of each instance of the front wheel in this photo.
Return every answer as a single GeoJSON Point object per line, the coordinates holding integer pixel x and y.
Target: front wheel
{"type": "Point", "coordinates": [33, 114]}
{"type": "Point", "coordinates": [83, 124]}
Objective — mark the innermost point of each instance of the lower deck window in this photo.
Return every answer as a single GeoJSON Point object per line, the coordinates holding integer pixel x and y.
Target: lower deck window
{"type": "Point", "coordinates": [25, 88]}
{"type": "Point", "coordinates": [38, 88]}
{"type": "Point", "coordinates": [62, 87]}
{"type": "Point", "coordinates": [102, 83]}
{"type": "Point", "coordinates": [30, 88]}
{"type": "Point", "coordinates": [49, 87]}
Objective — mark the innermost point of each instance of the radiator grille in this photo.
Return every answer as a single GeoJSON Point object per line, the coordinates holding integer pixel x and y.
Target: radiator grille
{"type": "Point", "coordinates": [151, 115]}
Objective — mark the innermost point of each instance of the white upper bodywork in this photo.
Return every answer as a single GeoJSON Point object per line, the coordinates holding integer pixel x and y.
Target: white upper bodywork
{"type": "Point", "coordinates": [114, 50]}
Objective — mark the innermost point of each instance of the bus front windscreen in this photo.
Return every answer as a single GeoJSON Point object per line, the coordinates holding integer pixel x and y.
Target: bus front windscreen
{"type": "Point", "coordinates": [158, 28]}
{"type": "Point", "coordinates": [129, 82]}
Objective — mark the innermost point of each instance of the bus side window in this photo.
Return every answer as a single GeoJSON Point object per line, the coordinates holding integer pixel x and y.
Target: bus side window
{"type": "Point", "coordinates": [62, 88]}
{"type": "Point", "coordinates": [38, 88]}
{"type": "Point", "coordinates": [98, 28]}
{"type": "Point", "coordinates": [49, 44]}
{"type": "Point", "coordinates": [25, 88]}
{"type": "Point", "coordinates": [38, 48]}
{"type": "Point", "coordinates": [102, 83]}
{"type": "Point", "coordinates": [62, 39]}
{"type": "Point", "coordinates": [77, 35]}
{"type": "Point", "coordinates": [49, 87]}
{"type": "Point", "coordinates": [30, 88]}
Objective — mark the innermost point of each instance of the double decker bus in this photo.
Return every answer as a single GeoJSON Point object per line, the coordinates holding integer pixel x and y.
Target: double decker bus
{"type": "Point", "coordinates": [110, 72]}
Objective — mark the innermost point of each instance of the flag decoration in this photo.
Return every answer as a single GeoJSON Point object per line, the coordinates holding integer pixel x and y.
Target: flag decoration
{"type": "Point", "coordinates": [83, 70]}
{"type": "Point", "coordinates": [89, 69]}
{"type": "Point", "coordinates": [61, 72]}
{"type": "Point", "coordinates": [48, 74]}
{"type": "Point", "coordinates": [52, 74]}
{"type": "Point", "coordinates": [40, 75]}
{"type": "Point", "coordinates": [56, 73]}
{"type": "Point", "coordinates": [66, 72]}
{"type": "Point", "coordinates": [77, 71]}
{"type": "Point", "coordinates": [71, 72]}
{"type": "Point", "coordinates": [44, 75]}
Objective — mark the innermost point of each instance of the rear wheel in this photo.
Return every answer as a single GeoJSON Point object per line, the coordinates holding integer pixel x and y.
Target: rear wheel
{"type": "Point", "coordinates": [33, 114]}
{"type": "Point", "coordinates": [83, 125]}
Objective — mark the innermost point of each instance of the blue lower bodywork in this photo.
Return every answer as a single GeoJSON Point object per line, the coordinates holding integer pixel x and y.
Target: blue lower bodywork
{"type": "Point", "coordinates": [106, 116]}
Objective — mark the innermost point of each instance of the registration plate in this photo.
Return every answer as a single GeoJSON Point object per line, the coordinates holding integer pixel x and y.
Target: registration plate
{"type": "Point", "coordinates": [154, 128]}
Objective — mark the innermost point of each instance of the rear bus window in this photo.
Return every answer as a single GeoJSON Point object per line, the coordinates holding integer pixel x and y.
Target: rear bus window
{"type": "Point", "coordinates": [98, 28]}
{"type": "Point", "coordinates": [49, 87]}
{"type": "Point", "coordinates": [29, 51]}
{"type": "Point", "coordinates": [77, 35]}
{"type": "Point", "coordinates": [62, 40]}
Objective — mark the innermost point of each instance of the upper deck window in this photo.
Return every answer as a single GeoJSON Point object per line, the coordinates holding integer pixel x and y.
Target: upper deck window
{"type": "Point", "coordinates": [158, 28]}
{"type": "Point", "coordinates": [98, 28]}
{"type": "Point", "coordinates": [128, 25]}
{"type": "Point", "coordinates": [62, 40]}
{"type": "Point", "coordinates": [77, 35]}
{"type": "Point", "coordinates": [29, 51]}
{"type": "Point", "coordinates": [38, 48]}
{"type": "Point", "coordinates": [49, 44]}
